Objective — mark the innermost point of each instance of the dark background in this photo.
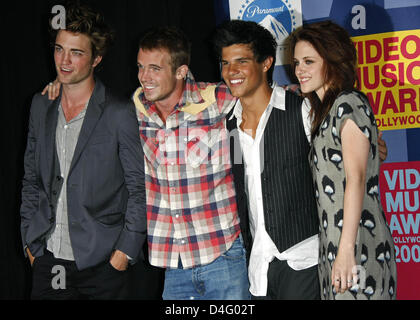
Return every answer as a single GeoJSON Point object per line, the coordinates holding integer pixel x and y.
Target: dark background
{"type": "Point", "coordinates": [27, 66]}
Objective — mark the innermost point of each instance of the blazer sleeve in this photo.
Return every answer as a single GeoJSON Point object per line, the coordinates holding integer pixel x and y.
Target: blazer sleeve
{"type": "Point", "coordinates": [30, 186]}
{"type": "Point", "coordinates": [131, 155]}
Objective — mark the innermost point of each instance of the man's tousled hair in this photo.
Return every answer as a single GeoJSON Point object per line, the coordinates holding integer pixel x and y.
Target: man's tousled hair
{"type": "Point", "coordinates": [84, 20]}
{"type": "Point", "coordinates": [171, 39]}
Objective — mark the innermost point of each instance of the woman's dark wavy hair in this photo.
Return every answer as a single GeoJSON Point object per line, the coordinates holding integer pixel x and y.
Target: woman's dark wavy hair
{"type": "Point", "coordinates": [260, 40]}
{"type": "Point", "coordinates": [81, 18]}
{"type": "Point", "coordinates": [334, 45]}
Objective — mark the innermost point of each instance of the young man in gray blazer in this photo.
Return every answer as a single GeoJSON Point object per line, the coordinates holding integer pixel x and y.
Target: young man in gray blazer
{"type": "Point", "coordinates": [83, 211]}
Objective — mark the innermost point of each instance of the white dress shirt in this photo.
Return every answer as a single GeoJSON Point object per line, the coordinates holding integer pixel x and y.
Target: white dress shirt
{"type": "Point", "coordinates": [302, 255]}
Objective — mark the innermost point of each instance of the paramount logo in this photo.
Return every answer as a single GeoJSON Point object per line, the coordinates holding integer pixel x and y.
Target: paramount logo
{"type": "Point", "coordinates": [275, 27]}
{"type": "Point", "coordinates": [280, 17]}
{"type": "Point", "coordinates": [252, 10]}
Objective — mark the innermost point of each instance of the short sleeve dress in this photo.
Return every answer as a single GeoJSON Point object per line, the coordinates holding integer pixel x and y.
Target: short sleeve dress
{"type": "Point", "coordinates": [374, 250]}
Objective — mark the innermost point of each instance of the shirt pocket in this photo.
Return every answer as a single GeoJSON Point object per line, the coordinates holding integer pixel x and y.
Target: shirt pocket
{"type": "Point", "coordinates": [206, 145]}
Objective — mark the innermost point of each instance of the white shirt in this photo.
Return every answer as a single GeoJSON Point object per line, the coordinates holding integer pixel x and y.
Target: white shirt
{"type": "Point", "coordinates": [302, 255]}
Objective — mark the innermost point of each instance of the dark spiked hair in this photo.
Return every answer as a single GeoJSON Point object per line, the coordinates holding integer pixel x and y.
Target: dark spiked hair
{"type": "Point", "coordinates": [260, 40]}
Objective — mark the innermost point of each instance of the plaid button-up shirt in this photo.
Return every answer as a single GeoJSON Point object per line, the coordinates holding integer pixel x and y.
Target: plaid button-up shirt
{"type": "Point", "coordinates": [191, 203]}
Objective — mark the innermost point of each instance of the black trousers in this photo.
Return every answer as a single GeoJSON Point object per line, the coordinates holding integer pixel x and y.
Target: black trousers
{"type": "Point", "coordinates": [58, 279]}
{"type": "Point", "coordinates": [144, 282]}
{"type": "Point", "coordinates": [284, 283]}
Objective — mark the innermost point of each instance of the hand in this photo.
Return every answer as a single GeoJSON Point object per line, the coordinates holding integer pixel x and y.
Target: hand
{"type": "Point", "coordinates": [30, 256]}
{"type": "Point", "coordinates": [53, 89]}
{"type": "Point", "coordinates": [294, 88]}
{"type": "Point", "coordinates": [119, 260]}
{"type": "Point", "coordinates": [344, 273]}
{"type": "Point", "coordinates": [383, 150]}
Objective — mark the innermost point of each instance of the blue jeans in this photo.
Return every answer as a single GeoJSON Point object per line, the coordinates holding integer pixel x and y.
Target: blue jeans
{"type": "Point", "coordinates": [226, 278]}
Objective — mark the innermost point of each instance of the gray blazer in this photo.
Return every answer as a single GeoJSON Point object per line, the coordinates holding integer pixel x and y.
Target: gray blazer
{"type": "Point", "coordinates": [105, 186]}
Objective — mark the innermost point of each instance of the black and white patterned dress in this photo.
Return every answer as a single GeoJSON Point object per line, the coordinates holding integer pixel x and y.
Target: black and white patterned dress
{"type": "Point", "coordinates": [374, 250]}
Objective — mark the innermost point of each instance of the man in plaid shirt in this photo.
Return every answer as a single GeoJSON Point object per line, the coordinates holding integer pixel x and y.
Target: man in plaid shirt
{"type": "Point", "coordinates": [193, 224]}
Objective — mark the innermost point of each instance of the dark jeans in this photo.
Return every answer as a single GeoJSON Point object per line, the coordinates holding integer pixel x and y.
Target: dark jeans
{"type": "Point", "coordinates": [58, 279]}
{"type": "Point", "coordinates": [284, 283]}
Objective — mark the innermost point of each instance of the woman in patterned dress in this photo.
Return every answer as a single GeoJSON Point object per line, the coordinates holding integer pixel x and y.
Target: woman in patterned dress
{"type": "Point", "coordinates": [357, 255]}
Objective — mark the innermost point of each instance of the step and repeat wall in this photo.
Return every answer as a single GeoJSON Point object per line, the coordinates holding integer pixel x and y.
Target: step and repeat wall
{"type": "Point", "coordinates": [386, 34]}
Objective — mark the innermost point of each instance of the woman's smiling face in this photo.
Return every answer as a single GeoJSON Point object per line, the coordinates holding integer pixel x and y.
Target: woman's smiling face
{"type": "Point", "coordinates": [309, 69]}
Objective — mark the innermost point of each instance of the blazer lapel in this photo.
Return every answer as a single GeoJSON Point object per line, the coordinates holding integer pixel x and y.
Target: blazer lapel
{"type": "Point", "coordinates": [93, 113]}
{"type": "Point", "coordinates": [51, 120]}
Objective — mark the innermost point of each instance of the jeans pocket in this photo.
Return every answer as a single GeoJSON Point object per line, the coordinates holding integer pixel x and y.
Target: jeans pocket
{"type": "Point", "coordinates": [236, 251]}
{"type": "Point", "coordinates": [36, 261]}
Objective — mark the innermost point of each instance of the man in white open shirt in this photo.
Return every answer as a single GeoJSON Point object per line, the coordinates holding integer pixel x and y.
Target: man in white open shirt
{"type": "Point", "coordinates": [273, 128]}
{"type": "Point", "coordinates": [301, 256]}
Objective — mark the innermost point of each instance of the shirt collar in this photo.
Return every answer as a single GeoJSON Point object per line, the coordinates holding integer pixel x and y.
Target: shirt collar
{"type": "Point", "coordinates": [237, 111]}
{"type": "Point", "coordinates": [277, 100]}
{"type": "Point", "coordinates": [191, 92]}
{"type": "Point", "coordinates": [79, 116]}
{"type": "Point", "coordinates": [278, 97]}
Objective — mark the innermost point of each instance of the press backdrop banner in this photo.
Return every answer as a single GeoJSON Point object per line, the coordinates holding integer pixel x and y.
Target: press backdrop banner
{"type": "Point", "coordinates": [386, 34]}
